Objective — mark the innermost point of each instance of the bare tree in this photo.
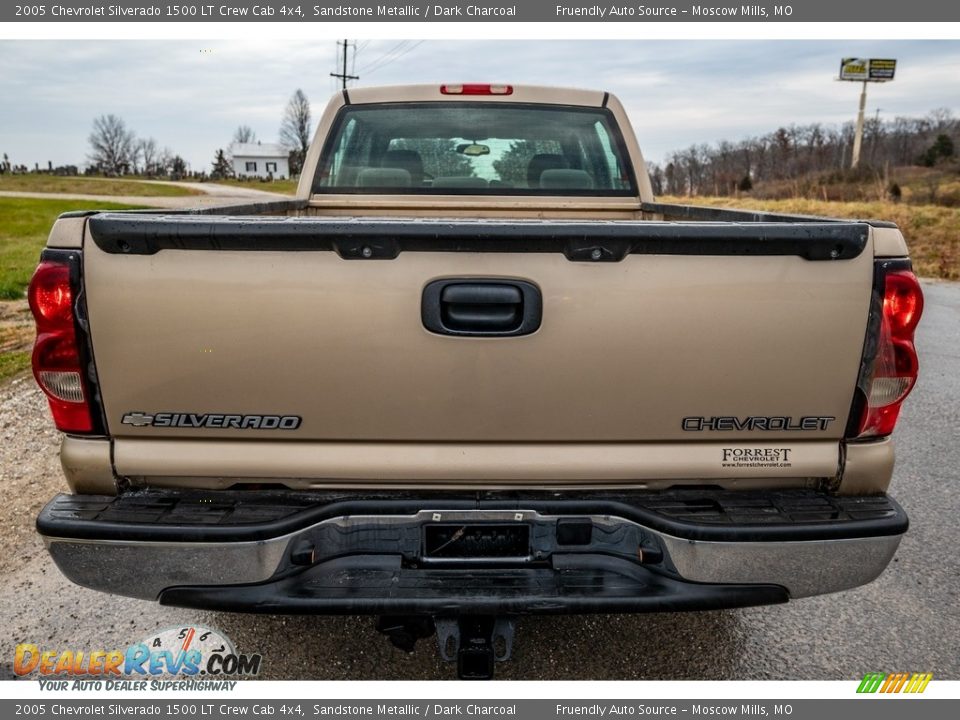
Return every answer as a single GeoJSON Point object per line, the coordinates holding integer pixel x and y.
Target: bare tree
{"type": "Point", "coordinates": [806, 159]}
{"type": "Point", "coordinates": [942, 119]}
{"type": "Point", "coordinates": [149, 152]}
{"type": "Point", "coordinates": [164, 161]}
{"type": "Point", "coordinates": [244, 134]}
{"type": "Point", "coordinates": [295, 129]}
{"type": "Point", "coordinates": [112, 145]}
{"type": "Point", "coordinates": [657, 179]}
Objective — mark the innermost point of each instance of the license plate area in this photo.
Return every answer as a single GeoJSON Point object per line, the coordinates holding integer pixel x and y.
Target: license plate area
{"type": "Point", "coordinates": [475, 541]}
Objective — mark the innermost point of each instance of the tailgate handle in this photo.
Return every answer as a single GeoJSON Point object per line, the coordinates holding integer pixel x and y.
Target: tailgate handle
{"type": "Point", "coordinates": [481, 307]}
{"type": "Point", "coordinates": [494, 308]}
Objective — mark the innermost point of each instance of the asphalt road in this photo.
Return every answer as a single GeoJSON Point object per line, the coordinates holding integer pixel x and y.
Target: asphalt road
{"type": "Point", "coordinates": [907, 620]}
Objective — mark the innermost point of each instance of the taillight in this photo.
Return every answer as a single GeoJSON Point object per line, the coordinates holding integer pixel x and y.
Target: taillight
{"type": "Point", "coordinates": [57, 362]}
{"type": "Point", "coordinates": [476, 89]}
{"type": "Point", "coordinates": [890, 367]}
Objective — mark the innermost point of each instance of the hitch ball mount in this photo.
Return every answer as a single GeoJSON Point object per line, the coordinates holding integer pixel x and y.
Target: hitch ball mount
{"type": "Point", "coordinates": [474, 642]}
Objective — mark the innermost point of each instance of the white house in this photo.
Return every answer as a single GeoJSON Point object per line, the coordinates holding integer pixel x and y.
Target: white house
{"type": "Point", "coordinates": [260, 160]}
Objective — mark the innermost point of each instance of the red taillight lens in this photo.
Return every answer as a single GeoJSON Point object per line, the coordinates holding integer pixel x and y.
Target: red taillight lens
{"type": "Point", "coordinates": [902, 302]}
{"type": "Point", "coordinates": [476, 89]}
{"type": "Point", "coordinates": [50, 295]}
{"type": "Point", "coordinates": [57, 365]}
{"type": "Point", "coordinates": [895, 365]}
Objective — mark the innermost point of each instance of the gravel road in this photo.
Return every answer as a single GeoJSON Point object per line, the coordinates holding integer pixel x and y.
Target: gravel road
{"type": "Point", "coordinates": [214, 195]}
{"type": "Point", "coordinates": [908, 620]}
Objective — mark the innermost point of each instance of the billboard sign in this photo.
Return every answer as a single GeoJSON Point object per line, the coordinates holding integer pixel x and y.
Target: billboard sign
{"type": "Point", "coordinates": [870, 70]}
{"type": "Point", "coordinates": [882, 69]}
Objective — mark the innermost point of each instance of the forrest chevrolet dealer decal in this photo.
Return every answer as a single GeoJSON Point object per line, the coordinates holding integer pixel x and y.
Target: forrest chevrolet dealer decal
{"type": "Point", "coordinates": [756, 457]}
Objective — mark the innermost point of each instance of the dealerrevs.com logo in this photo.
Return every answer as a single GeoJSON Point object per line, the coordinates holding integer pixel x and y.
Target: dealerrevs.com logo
{"type": "Point", "coordinates": [756, 457]}
{"type": "Point", "coordinates": [176, 658]}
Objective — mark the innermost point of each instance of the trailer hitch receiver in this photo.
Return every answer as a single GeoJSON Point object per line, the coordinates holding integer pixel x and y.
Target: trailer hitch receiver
{"type": "Point", "coordinates": [475, 643]}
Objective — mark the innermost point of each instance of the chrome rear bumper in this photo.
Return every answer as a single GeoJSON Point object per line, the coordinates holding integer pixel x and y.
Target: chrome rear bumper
{"type": "Point", "coordinates": [357, 555]}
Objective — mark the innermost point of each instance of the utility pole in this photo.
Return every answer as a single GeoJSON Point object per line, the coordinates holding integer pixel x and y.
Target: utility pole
{"type": "Point", "coordinates": [343, 75]}
{"type": "Point", "coordinates": [875, 134]}
{"type": "Point", "coordinates": [858, 136]}
{"type": "Point", "coordinates": [863, 71]}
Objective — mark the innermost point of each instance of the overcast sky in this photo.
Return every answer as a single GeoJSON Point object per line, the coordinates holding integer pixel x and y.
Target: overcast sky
{"type": "Point", "coordinates": [191, 95]}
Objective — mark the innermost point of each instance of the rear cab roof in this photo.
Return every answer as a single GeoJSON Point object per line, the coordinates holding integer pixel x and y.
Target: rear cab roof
{"type": "Point", "coordinates": [519, 94]}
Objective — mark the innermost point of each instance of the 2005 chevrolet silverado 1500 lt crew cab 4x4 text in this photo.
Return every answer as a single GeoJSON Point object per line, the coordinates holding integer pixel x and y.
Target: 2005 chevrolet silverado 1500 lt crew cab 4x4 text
{"type": "Point", "coordinates": [473, 371]}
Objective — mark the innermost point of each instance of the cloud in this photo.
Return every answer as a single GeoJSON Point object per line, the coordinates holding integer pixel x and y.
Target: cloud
{"type": "Point", "coordinates": [191, 95]}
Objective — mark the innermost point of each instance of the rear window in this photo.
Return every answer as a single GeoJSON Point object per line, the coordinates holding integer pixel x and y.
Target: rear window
{"type": "Point", "coordinates": [475, 149]}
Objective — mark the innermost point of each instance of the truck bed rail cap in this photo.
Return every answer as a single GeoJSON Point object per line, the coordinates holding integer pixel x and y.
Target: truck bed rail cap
{"type": "Point", "coordinates": [384, 239]}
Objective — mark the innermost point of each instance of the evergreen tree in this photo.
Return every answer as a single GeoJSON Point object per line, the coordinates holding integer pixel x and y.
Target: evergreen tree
{"type": "Point", "coordinates": [221, 166]}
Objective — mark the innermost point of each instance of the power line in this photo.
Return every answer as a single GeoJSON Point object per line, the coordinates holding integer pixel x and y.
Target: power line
{"type": "Point", "coordinates": [385, 56]}
{"type": "Point", "coordinates": [400, 55]}
{"type": "Point", "coordinates": [374, 62]}
{"type": "Point", "coordinates": [393, 59]}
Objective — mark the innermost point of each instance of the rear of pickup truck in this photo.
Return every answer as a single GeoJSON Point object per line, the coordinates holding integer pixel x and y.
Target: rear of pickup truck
{"type": "Point", "coordinates": [397, 397]}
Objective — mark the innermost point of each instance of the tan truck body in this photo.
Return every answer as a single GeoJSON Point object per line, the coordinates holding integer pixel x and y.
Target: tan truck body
{"type": "Point", "coordinates": [617, 391]}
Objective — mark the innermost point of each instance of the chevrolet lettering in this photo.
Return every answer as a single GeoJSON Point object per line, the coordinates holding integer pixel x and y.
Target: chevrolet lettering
{"type": "Point", "coordinates": [782, 424]}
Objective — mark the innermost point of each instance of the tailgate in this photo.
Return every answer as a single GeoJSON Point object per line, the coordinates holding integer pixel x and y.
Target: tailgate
{"type": "Point", "coordinates": [651, 333]}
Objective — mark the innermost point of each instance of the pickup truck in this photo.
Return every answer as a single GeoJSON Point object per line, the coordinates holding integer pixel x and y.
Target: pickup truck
{"type": "Point", "coordinates": [473, 371]}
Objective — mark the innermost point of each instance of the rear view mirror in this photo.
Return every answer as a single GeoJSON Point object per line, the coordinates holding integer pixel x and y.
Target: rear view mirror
{"type": "Point", "coordinates": [473, 149]}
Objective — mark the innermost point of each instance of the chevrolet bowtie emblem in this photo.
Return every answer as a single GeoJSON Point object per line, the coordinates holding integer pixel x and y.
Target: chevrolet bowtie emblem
{"type": "Point", "coordinates": [137, 419]}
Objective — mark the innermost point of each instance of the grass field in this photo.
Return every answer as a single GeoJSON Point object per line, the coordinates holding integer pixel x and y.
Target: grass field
{"type": "Point", "coordinates": [90, 186]}
{"type": "Point", "coordinates": [929, 186]}
{"type": "Point", "coordinates": [286, 187]}
{"type": "Point", "coordinates": [932, 231]}
{"type": "Point", "coordinates": [13, 362]}
{"type": "Point", "coordinates": [24, 226]}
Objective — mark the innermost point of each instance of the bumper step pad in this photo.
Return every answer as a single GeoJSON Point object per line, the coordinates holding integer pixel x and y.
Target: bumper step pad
{"type": "Point", "coordinates": [246, 515]}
